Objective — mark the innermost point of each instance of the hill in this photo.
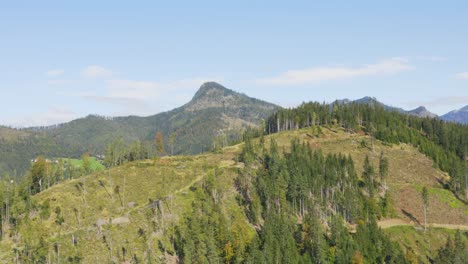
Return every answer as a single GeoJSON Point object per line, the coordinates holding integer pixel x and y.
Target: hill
{"type": "Point", "coordinates": [207, 205]}
{"type": "Point", "coordinates": [215, 112]}
{"type": "Point", "coordinates": [458, 116]}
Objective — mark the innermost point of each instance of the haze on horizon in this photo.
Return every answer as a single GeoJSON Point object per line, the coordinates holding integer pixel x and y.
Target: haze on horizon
{"type": "Point", "coordinates": [63, 60]}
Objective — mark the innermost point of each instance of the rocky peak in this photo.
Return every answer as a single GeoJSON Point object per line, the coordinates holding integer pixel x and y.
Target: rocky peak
{"type": "Point", "coordinates": [464, 109]}
{"type": "Point", "coordinates": [422, 112]}
{"type": "Point", "coordinates": [213, 95]}
{"type": "Point", "coordinates": [213, 91]}
{"type": "Point", "coordinates": [420, 109]}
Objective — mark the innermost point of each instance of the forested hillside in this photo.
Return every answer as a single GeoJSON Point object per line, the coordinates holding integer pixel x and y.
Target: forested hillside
{"type": "Point", "coordinates": [214, 115]}
{"type": "Point", "coordinates": [445, 143]}
{"type": "Point", "coordinates": [315, 195]}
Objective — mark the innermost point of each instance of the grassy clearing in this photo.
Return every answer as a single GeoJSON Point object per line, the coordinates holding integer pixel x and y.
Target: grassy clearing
{"type": "Point", "coordinates": [422, 244]}
{"type": "Point", "coordinates": [443, 195]}
{"type": "Point", "coordinates": [95, 164]}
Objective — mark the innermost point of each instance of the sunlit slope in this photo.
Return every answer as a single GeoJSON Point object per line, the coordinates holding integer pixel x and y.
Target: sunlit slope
{"type": "Point", "coordinates": [409, 172]}
{"type": "Point", "coordinates": [134, 206]}
{"type": "Point", "coordinates": [128, 211]}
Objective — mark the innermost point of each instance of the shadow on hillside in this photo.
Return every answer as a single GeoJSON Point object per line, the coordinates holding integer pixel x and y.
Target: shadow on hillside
{"type": "Point", "coordinates": [410, 216]}
{"type": "Point", "coordinates": [446, 186]}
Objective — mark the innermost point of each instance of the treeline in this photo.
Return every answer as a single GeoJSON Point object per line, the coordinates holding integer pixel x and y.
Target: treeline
{"type": "Point", "coordinates": [118, 152]}
{"type": "Point", "coordinates": [446, 143]}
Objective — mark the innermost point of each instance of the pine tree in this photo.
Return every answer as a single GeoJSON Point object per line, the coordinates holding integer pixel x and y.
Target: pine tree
{"type": "Point", "coordinates": [383, 170]}
{"type": "Point", "coordinates": [368, 175]}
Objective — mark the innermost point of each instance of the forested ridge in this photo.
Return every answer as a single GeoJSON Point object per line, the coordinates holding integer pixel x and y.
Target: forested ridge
{"type": "Point", "coordinates": [446, 143]}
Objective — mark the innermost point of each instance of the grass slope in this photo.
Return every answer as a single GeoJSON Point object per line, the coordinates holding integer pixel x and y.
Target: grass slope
{"type": "Point", "coordinates": [103, 220]}
{"type": "Point", "coordinates": [422, 246]}
{"type": "Point", "coordinates": [409, 171]}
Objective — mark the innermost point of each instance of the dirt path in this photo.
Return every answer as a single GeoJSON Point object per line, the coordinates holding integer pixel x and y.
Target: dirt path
{"type": "Point", "coordinates": [387, 223]}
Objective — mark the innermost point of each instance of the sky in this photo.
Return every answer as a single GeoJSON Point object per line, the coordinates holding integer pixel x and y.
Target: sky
{"type": "Point", "coordinates": [62, 60]}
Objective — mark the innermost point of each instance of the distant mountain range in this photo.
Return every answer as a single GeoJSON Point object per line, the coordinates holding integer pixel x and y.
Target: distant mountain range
{"type": "Point", "coordinates": [214, 111]}
{"type": "Point", "coordinates": [458, 116]}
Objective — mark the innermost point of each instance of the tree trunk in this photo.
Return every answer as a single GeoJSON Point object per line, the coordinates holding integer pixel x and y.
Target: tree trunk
{"type": "Point", "coordinates": [425, 218]}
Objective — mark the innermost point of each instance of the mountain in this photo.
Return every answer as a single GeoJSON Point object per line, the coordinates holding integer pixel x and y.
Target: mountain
{"type": "Point", "coordinates": [422, 112]}
{"type": "Point", "coordinates": [419, 112]}
{"type": "Point", "coordinates": [214, 111]}
{"type": "Point", "coordinates": [370, 101]}
{"type": "Point", "coordinates": [373, 100]}
{"type": "Point", "coordinates": [458, 116]}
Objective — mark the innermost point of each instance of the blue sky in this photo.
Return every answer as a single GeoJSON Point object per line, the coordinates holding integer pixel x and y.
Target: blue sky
{"type": "Point", "coordinates": [61, 60]}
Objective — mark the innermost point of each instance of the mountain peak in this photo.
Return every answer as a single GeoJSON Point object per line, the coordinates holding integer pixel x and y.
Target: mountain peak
{"type": "Point", "coordinates": [458, 116]}
{"type": "Point", "coordinates": [366, 99]}
{"type": "Point", "coordinates": [420, 109]}
{"type": "Point", "coordinates": [212, 89]}
{"type": "Point", "coordinates": [422, 112]}
{"type": "Point", "coordinates": [214, 95]}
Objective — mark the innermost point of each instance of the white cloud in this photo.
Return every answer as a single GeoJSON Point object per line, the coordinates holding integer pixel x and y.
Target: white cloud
{"type": "Point", "coordinates": [96, 71]}
{"type": "Point", "coordinates": [311, 75]}
{"type": "Point", "coordinates": [431, 58]}
{"type": "Point", "coordinates": [131, 89]}
{"type": "Point", "coordinates": [150, 90]}
{"type": "Point", "coordinates": [462, 75]}
{"type": "Point", "coordinates": [51, 116]}
{"type": "Point", "coordinates": [59, 82]}
{"type": "Point", "coordinates": [436, 58]}
{"type": "Point", "coordinates": [441, 101]}
{"type": "Point", "coordinates": [55, 72]}
{"type": "Point", "coordinates": [146, 97]}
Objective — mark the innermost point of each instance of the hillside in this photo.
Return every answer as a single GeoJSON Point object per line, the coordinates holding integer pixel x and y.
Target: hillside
{"type": "Point", "coordinates": [140, 211]}
{"type": "Point", "coordinates": [214, 111]}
